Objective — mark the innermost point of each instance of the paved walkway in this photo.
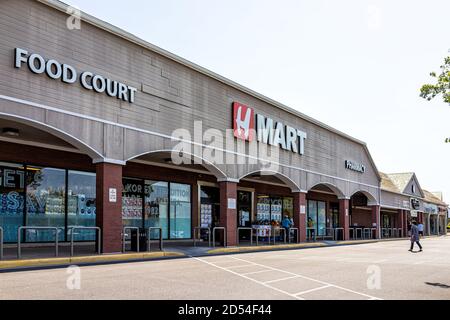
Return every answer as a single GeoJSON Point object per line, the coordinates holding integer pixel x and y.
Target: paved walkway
{"type": "Point", "coordinates": [383, 270]}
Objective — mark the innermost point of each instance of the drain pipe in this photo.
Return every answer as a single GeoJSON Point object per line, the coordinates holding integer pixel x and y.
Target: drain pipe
{"type": "Point", "coordinates": [379, 212]}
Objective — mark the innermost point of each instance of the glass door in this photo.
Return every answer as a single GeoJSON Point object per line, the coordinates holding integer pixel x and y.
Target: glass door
{"type": "Point", "coordinates": [244, 209]}
{"type": "Point", "coordinates": [321, 218]}
{"type": "Point", "coordinates": [317, 217]}
{"type": "Point", "coordinates": [334, 215]}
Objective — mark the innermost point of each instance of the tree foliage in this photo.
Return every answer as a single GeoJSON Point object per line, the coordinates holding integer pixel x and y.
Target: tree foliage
{"type": "Point", "coordinates": [442, 85]}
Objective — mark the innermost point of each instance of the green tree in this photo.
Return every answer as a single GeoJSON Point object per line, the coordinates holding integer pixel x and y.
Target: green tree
{"type": "Point", "coordinates": [430, 91]}
{"type": "Point", "coordinates": [441, 87]}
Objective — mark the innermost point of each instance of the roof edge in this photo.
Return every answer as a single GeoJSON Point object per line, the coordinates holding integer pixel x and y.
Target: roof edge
{"type": "Point", "coordinates": [61, 6]}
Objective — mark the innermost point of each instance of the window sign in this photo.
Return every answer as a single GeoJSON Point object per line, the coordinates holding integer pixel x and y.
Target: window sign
{"type": "Point", "coordinates": [156, 207]}
{"type": "Point", "coordinates": [112, 195]}
{"type": "Point", "coordinates": [12, 186]}
{"type": "Point", "coordinates": [180, 211]}
{"type": "Point", "coordinates": [232, 203]}
{"type": "Point", "coordinates": [45, 202]}
{"type": "Point", "coordinates": [132, 202]}
{"type": "Point", "coordinates": [81, 204]}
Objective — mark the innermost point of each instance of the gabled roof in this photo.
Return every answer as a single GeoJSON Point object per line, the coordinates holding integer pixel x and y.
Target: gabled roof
{"type": "Point", "coordinates": [439, 195]}
{"type": "Point", "coordinates": [387, 184]}
{"type": "Point", "coordinates": [402, 180]}
{"type": "Point", "coordinates": [431, 197]}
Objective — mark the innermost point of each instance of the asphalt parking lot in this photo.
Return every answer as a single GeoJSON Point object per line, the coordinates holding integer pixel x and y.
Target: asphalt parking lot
{"type": "Point", "coordinates": [384, 270]}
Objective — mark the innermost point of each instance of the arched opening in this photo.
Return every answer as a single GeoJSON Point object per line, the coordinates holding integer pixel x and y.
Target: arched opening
{"type": "Point", "coordinates": [182, 161]}
{"type": "Point", "coordinates": [47, 179]}
{"type": "Point", "coordinates": [324, 213]}
{"type": "Point", "coordinates": [265, 201]}
{"type": "Point", "coordinates": [166, 190]}
{"type": "Point", "coordinates": [26, 131]}
{"type": "Point", "coordinates": [363, 219]}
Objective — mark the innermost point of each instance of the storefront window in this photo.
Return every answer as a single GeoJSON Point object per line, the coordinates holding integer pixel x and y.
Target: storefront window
{"type": "Point", "coordinates": [45, 202]}
{"type": "Point", "coordinates": [209, 207]}
{"type": "Point", "coordinates": [81, 194]}
{"type": "Point", "coordinates": [12, 188]}
{"type": "Point", "coordinates": [317, 216]}
{"type": "Point", "coordinates": [156, 207]}
{"type": "Point", "coordinates": [263, 210]}
{"type": "Point", "coordinates": [276, 211]}
{"type": "Point", "coordinates": [288, 207]}
{"type": "Point", "coordinates": [312, 214]}
{"type": "Point", "coordinates": [180, 211]}
{"type": "Point", "coordinates": [132, 202]}
{"type": "Point", "coordinates": [321, 218]}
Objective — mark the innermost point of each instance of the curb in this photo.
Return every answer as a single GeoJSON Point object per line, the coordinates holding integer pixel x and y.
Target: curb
{"type": "Point", "coordinates": [22, 265]}
{"type": "Point", "coordinates": [297, 246]}
{"type": "Point", "coordinates": [266, 248]}
{"type": "Point", "coordinates": [55, 263]}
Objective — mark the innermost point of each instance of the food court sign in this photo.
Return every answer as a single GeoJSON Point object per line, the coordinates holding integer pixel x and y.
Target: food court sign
{"type": "Point", "coordinates": [68, 74]}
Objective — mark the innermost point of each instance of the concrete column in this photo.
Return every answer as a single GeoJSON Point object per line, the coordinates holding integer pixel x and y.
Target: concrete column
{"type": "Point", "coordinates": [401, 219]}
{"type": "Point", "coordinates": [344, 217]}
{"type": "Point", "coordinates": [228, 214]}
{"type": "Point", "coordinates": [376, 220]}
{"type": "Point", "coordinates": [300, 207]}
{"type": "Point", "coordinates": [195, 207]}
{"type": "Point", "coordinates": [109, 206]}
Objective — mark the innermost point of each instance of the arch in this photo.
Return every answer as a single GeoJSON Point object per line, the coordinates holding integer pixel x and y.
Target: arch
{"type": "Point", "coordinates": [284, 178]}
{"type": "Point", "coordinates": [212, 168]}
{"type": "Point", "coordinates": [77, 143]}
{"type": "Point", "coordinates": [333, 188]}
{"type": "Point", "coordinates": [371, 200]}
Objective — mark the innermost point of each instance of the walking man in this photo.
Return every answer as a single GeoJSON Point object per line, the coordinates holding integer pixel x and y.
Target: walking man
{"type": "Point", "coordinates": [415, 236]}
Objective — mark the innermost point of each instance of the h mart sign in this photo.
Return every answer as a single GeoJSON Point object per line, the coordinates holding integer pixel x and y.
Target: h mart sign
{"type": "Point", "coordinates": [247, 124]}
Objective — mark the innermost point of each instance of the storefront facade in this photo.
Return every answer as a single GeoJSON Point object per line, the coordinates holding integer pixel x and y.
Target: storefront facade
{"type": "Point", "coordinates": [95, 120]}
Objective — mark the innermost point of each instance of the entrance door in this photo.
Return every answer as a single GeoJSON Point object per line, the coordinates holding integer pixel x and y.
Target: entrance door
{"type": "Point", "coordinates": [334, 208]}
{"type": "Point", "coordinates": [209, 207]}
{"type": "Point", "coordinates": [244, 207]}
{"type": "Point", "coordinates": [317, 217]}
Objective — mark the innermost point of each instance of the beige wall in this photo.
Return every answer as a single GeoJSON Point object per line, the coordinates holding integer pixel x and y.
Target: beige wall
{"type": "Point", "coordinates": [169, 96]}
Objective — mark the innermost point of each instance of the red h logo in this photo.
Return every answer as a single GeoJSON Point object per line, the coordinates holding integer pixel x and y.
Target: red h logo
{"type": "Point", "coordinates": [243, 122]}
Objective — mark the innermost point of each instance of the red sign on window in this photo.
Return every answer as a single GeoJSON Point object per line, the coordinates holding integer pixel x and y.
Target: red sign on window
{"type": "Point", "coordinates": [243, 122]}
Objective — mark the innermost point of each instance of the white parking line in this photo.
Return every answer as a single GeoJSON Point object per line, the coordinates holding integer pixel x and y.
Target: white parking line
{"type": "Point", "coordinates": [240, 266]}
{"type": "Point", "coordinates": [312, 290]}
{"type": "Point", "coordinates": [308, 278]}
{"type": "Point", "coordinates": [279, 280]}
{"type": "Point", "coordinates": [248, 278]}
{"type": "Point", "coordinates": [255, 272]}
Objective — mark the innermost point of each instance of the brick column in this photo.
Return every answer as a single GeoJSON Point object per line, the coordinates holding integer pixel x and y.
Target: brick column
{"type": "Point", "coordinates": [376, 220]}
{"type": "Point", "coordinates": [300, 206]}
{"type": "Point", "coordinates": [405, 215]}
{"type": "Point", "coordinates": [344, 217]}
{"type": "Point", "coordinates": [109, 213]}
{"type": "Point", "coordinates": [228, 216]}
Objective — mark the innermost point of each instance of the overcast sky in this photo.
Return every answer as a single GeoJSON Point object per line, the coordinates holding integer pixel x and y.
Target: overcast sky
{"type": "Point", "coordinates": [356, 65]}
